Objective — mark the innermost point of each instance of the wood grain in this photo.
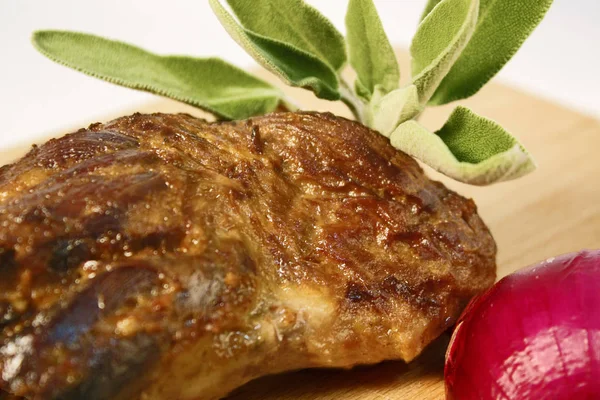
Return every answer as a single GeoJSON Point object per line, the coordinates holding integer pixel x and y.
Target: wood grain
{"type": "Point", "coordinates": [552, 211]}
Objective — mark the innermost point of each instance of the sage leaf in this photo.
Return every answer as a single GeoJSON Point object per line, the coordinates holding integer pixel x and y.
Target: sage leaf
{"type": "Point", "coordinates": [439, 41]}
{"type": "Point", "coordinates": [387, 111]}
{"type": "Point", "coordinates": [428, 7]}
{"type": "Point", "coordinates": [502, 28]}
{"type": "Point", "coordinates": [468, 148]}
{"type": "Point", "coordinates": [294, 66]}
{"type": "Point", "coordinates": [371, 54]}
{"type": "Point", "coordinates": [207, 83]}
{"type": "Point", "coordinates": [295, 23]}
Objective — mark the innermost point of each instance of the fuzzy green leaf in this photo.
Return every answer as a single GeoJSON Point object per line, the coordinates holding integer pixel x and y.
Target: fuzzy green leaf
{"type": "Point", "coordinates": [296, 23]}
{"type": "Point", "coordinates": [502, 28]}
{"type": "Point", "coordinates": [294, 66]}
{"type": "Point", "coordinates": [439, 41]}
{"type": "Point", "coordinates": [207, 83]}
{"type": "Point", "coordinates": [387, 111]}
{"type": "Point", "coordinates": [468, 148]}
{"type": "Point", "coordinates": [371, 54]}
{"type": "Point", "coordinates": [428, 7]}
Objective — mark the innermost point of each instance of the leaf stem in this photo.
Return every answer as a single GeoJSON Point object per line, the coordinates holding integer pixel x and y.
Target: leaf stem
{"type": "Point", "coordinates": [348, 97]}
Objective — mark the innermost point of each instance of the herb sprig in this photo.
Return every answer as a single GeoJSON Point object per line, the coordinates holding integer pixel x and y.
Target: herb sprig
{"type": "Point", "coordinates": [458, 47]}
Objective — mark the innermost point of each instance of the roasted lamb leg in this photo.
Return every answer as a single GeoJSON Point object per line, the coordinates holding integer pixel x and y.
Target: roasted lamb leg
{"type": "Point", "coordinates": [162, 257]}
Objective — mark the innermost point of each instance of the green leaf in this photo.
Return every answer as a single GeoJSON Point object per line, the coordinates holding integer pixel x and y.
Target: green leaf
{"type": "Point", "coordinates": [502, 28]}
{"type": "Point", "coordinates": [468, 148]}
{"type": "Point", "coordinates": [296, 23]}
{"type": "Point", "coordinates": [208, 83]}
{"type": "Point", "coordinates": [387, 111]}
{"type": "Point", "coordinates": [428, 7]}
{"type": "Point", "coordinates": [371, 54]}
{"type": "Point", "coordinates": [439, 41]}
{"type": "Point", "coordinates": [294, 66]}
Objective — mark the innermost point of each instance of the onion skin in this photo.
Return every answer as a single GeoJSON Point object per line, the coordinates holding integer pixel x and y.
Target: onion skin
{"type": "Point", "coordinates": [533, 335]}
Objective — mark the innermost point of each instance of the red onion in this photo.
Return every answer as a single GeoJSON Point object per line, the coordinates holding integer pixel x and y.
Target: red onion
{"type": "Point", "coordinates": [533, 335]}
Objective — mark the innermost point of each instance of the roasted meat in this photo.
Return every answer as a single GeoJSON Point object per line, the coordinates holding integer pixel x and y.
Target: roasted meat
{"type": "Point", "coordinates": [165, 257]}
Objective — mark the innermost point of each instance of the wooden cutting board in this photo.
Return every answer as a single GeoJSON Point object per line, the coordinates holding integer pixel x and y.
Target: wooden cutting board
{"type": "Point", "coordinates": [552, 211]}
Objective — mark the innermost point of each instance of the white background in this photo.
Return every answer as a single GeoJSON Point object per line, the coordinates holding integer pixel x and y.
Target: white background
{"type": "Point", "coordinates": [561, 60]}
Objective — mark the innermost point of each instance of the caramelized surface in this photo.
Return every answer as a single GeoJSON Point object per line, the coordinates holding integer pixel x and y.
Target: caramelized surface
{"type": "Point", "coordinates": [164, 257]}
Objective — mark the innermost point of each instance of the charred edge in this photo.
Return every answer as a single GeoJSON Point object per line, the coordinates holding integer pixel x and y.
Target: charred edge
{"type": "Point", "coordinates": [7, 259]}
{"type": "Point", "coordinates": [256, 144]}
{"type": "Point", "coordinates": [113, 287]}
{"type": "Point", "coordinates": [67, 254]}
{"type": "Point", "coordinates": [81, 146]}
{"type": "Point", "coordinates": [7, 277]}
{"type": "Point", "coordinates": [116, 370]}
{"type": "Point", "coordinates": [418, 295]}
{"type": "Point", "coordinates": [7, 396]}
{"type": "Point", "coordinates": [356, 293]}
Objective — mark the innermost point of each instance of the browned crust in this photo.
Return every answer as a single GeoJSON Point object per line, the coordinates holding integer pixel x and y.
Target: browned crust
{"type": "Point", "coordinates": [215, 224]}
